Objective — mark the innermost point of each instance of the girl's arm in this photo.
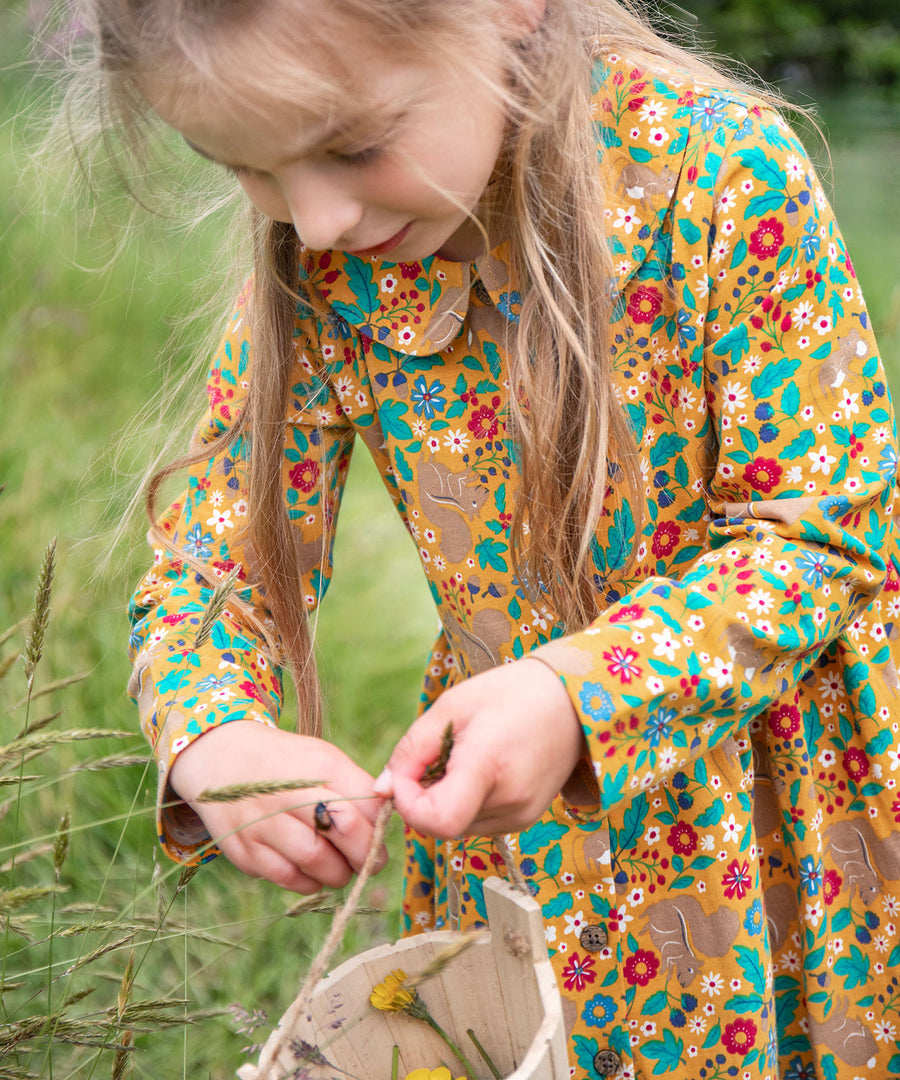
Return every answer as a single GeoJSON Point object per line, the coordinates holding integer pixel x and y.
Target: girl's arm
{"type": "Point", "coordinates": [216, 701]}
{"type": "Point", "coordinates": [799, 507]}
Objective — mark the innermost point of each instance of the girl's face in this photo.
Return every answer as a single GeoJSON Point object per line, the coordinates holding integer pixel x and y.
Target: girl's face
{"type": "Point", "coordinates": [396, 179]}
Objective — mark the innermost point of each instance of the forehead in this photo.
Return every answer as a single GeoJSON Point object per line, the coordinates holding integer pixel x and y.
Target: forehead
{"type": "Point", "coordinates": [248, 74]}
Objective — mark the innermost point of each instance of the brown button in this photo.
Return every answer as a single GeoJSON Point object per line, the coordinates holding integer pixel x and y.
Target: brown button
{"type": "Point", "coordinates": [607, 1063]}
{"type": "Point", "coordinates": [593, 937]}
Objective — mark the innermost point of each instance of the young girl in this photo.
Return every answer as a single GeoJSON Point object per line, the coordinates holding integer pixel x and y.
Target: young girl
{"type": "Point", "coordinates": [585, 303]}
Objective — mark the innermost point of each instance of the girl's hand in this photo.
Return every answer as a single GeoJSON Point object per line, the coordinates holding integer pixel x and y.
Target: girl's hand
{"type": "Point", "coordinates": [274, 836]}
{"type": "Point", "coordinates": [517, 739]}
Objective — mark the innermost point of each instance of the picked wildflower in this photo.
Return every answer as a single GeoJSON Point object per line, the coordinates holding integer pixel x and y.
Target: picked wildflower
{"type": "Point", "coordinates": [393, 994]}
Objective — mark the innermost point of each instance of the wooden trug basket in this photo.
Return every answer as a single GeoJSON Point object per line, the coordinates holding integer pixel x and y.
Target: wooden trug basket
{"type": "Point", "coordinates": [503, 987]}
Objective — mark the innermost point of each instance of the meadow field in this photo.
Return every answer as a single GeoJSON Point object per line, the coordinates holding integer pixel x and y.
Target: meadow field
{"type": "Point", "coordinates": [105, 945]}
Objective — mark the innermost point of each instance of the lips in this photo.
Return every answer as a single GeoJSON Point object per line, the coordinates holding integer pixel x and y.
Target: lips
{"type": "Point", "coordinates": [385, 247]}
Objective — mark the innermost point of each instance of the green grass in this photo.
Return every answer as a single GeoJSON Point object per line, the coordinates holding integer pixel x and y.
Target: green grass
{"type": "Point", "coordinates": [78, 362]}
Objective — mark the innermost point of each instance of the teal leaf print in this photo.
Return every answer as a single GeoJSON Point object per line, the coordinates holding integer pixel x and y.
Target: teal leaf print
{"type": "Point", "coordinates": [655, 1003]}
{"type": "Point", "coordinates": [667, 1053]}
{"type": "Point", "coordinates": [555, 907]}
{"type": "Point", "coordinates": [541, 835]}
{"type": "Point", "coordinates": [712, 815]}
{"type": "Point", "coordinates": [772, 377]}
{"type": "Point", "coordinates": [764, 204]}
{"type": "Point", "coordinates": [640, 154]}
{"type": "Point", "coordinates": [689, 230]}
{"type": "Point", "coordinates": [632, 824]}
{"type": "Point", "coordinates": [476, 888]}
{"type": "Point", "coordinates": [423, 860]}
{"type": "Point", "coordinates": [752, 967]}
{"type": "Point", "coordinates": [403, 467]}
{"type": "Point", "coordinates": [853, 968]}
{"type": "Point", "coordinates": [390, 413]}
{"type": "Point", "coordinates": [736, 342]}
{"type": "Point", "coordinates": [790, 399]}
{"type": "Point", "coordinates": [490, 553]}
{"type": "Point", "coordinates": [495, 364]}
{"type": "Point", "coordinates": [740, 253]}
{"type": "Point", "coordinates": [621, 536]}
{"type": "Point", "coordinates": [800, 446]}
{"type": "Point", "coordinates": [553, 862]}
{"type": "Point", "coordinates": [762, 167]}
{"type": "Point", "coordinates": [585, 1052]}
{"type": "Point", "coordinates": [362, 284]}
{"type": "Point", "coordinates": [667, 447]}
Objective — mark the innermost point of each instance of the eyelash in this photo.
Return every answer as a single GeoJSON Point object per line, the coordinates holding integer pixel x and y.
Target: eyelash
{"type": "Point", "coordinates": [363, 156]}
{"type": "Point", "coordinates": [357, 157]}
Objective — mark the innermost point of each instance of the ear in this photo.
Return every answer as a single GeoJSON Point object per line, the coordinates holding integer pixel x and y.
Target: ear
{"type": "Point", "coordinates": [522, 17]}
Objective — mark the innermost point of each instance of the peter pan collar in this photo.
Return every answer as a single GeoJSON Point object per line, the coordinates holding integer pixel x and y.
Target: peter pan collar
{"type": "Point", "coordinates": [419, 308]}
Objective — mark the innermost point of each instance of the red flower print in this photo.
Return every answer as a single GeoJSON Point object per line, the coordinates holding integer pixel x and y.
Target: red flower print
{"type": "Point", "coordinates": [856, 762]}
{"type": "Point", "coordinates": [626, 614]}
{"type": "Point", "coordinates": [621, 662]}
{"type": "Point", "coordinates": [665, 539]}
{"type": "Point", "coordinates": [682, 839]}
{"type": "Point", "coordinates": [831, 885]}
{"type": "Point", "coordinates": [737, 881]}
{"type": "Point", "coordinates": [411, 270]}
{"type": "Point", "coordinates": [784, 721]}
{"type": "Point", "coordinates": [767, 239]}
{"type": "Point", "coordinates": [252, 690]}
{"type": "Point", "coordinates": [645, 304]}
{"type": "Point", "coordinates": [763, 474]}
{"type": "Point", "coordinates": [305, 474]}
{"type": "Point", "coordinates": [739, 1036]}
{"type": "Point", "coordinates": [892, 584]}
{"type": "Point", "coordinates": [641, 967]}
{"type": "Point", "coordinates": [483, 422]}
{"type": "Point", "coordinates": [578, 973]}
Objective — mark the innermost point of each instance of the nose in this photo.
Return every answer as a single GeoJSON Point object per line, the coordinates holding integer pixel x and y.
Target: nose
{"type": "Point", "coordinates": [324, 209]}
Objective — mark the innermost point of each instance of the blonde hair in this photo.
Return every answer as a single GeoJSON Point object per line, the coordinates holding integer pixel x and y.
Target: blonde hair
{"type": "Point", "coordinates": [572, 432]}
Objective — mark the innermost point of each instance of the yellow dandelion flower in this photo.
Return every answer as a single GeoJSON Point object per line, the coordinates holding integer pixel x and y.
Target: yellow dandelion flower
{"type": "Point", "coordinates": [391, 995]}
{"type": "Point", "coordinates": [441, 1073]}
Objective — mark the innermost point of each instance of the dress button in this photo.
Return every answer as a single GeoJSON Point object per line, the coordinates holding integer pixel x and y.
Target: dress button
{"type": "Point", "coordinates": [593, 938]}
{"type": "Point", "coordinates": [607, 1063]}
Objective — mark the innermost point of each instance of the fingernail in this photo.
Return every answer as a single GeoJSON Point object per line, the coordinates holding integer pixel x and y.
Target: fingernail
{"type": "Point", "coordinates": [384, 785]}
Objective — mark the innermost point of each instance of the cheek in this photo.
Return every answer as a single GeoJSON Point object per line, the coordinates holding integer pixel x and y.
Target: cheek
{"type": "Point", "coordinates": [266, 197]}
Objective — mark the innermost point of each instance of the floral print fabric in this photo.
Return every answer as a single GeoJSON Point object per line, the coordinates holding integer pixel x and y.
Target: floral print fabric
{"type": "Point", "coordinates": [720, 881]}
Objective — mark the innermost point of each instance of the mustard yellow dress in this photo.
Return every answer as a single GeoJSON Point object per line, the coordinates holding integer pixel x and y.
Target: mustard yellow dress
{"type": "Point", "coordinates": [723, 897]}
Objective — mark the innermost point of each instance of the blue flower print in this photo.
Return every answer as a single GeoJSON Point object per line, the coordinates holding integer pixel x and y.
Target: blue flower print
{"type": "Point", "coordinates": [196, 542]}
{"type": "Point", "coordinates": [810, 241]}
{"type": "Point", "coordinates": [599, 1011]}
{"type": "Point", "coordinates": [798, 1071]}
{"type": "Point", "coordinates": [814, 567]}
{"type": "Point", "coordinates": [810, 875]}
{"type": "Point", "coordinates": [708, 111]}
{"type": "Point", "coordinates": [753, 920]}
{"type": "Point", "coordinates": [216, 682]}
{"type": "Point", "coordinates": [835, 506]}
{"type": "Point", "coordinates": [595, 701]}
{"type": "Point", "coordinates": [506, 302]}
{"type": "Point", "coordinates": [426, 399]}
{"type": "Point", "coordinates": [658, 725]}
{"type": "Point", "coordinates": [887, 463]}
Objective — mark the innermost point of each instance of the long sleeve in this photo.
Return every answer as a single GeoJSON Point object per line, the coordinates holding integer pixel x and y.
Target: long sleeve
{"type": "Point", "coordinates": [182, 687]}
{"type": "Point", "coordinates": [799, 502]}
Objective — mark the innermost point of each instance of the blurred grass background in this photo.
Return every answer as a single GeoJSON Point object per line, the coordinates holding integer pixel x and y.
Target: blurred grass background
{"type": "Point", "coordinates": [79, 358]}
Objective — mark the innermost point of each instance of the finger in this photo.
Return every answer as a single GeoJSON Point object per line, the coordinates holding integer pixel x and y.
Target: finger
{"type": "Point", "coordinates": [420, 747]}
{"type": "Point", "coordinates": [355, 783]}
{"type": "Point", "coordinates": [260, 861]}
{"type": "Point", "coordinates": [449, 807]}
{"type": "Point", "coordinates": [348, 829]}
{"type": "Point", "coordinates": [309, 851]}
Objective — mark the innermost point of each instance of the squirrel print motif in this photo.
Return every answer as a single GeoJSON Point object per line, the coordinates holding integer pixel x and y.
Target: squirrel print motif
{"type": "Point", "coordinates": [449, 501]}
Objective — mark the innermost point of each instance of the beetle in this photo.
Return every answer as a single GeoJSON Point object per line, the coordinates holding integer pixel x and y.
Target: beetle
{"type": "Point", "coordinates": [324, 818]}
